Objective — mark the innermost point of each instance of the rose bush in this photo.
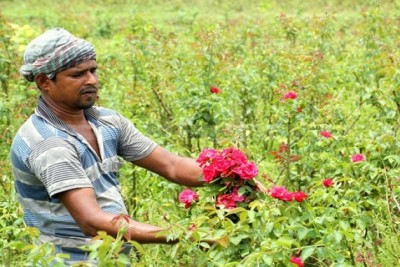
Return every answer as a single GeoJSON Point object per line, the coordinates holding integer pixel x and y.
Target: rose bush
{"type": "Point", "coordinates": [297, 92]}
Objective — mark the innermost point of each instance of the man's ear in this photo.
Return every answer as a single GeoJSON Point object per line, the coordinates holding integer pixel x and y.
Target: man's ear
{"type": "Point", "coordinates": [43, 82]}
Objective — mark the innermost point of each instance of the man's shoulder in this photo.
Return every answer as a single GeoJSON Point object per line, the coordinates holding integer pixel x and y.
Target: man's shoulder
{"type": "Point", "coordinates": [38, 124]}
{"type": "Point", "coordinates": [35, 130]}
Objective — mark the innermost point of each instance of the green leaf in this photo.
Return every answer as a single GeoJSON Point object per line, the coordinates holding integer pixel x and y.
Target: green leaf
{"type": "Point", "coordinates": [237, 239]}
{"type": "Point", "coordinates": [302, 233]}
{"type": "Point", "coordinates": [285, 241]}
{"type": "Point", "coordinates": [137, 246]}
{"type": "Point", "coordinates": [232, 264]}
{"type": "Point", "coordinates": [267, 259]}
{"type": "Point", "coordinates": [204, 245]}
{"type": "Point", "coordinates": [338, 236]}
{"type": "Point", "coordinates": [122, 258]}
{"type": "Point", "coordinates": [321, 252]}
{"type": "Point", "coordinates": [307, 252]}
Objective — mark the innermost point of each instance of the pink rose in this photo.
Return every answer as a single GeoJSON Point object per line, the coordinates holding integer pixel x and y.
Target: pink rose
{"type": "Point", "coordinates": [277, 191]}
{"type": "Point", "coordinates": [222, 165]}
{"type": "Point", "coordinates": [235, 155]}
{"type": "Point", "coordinates": [235, 195]}
{"type": "Point", "coordinates": [246, 171]}
{"type": "Point", "coordinates": [326, 134]}
{"type": "Point", "coordinates": [206, 156]}
{"type": "Point", "coordinates": [187, 197]}
{"type": "Point", "coordinates": [357, 158]}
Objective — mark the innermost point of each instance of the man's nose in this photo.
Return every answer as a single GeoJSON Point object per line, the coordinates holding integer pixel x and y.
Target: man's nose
{"type": "Point", "coordinates": [91, 78]}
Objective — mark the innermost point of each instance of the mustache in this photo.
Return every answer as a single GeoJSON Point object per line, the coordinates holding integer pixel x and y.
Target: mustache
{"type": "Point", "coordinates": [89, 89]}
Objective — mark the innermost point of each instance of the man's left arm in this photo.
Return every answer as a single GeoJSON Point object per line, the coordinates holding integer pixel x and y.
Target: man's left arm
{"type": "Point", "coordinates": [177, 169]}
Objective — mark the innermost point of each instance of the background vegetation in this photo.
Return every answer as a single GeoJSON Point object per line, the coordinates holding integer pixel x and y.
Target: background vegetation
{"type": "Point", "coordinates": [157, 63]}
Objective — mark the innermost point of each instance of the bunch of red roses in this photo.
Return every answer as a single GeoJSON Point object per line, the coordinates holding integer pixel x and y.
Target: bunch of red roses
{"type": "Point", "coordinates": [230, 169]}
{"type": "Point", "coordinates": [229, 163]}
{"type": "Point", "coordinates": [233, 174]}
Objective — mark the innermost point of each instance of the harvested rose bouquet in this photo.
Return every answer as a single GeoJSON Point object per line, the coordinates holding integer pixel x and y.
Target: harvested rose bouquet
{"type": "Point", "coordinates": [231, 178]}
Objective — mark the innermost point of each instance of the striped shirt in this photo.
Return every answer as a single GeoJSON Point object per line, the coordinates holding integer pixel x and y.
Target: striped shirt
{"type": "Point", "coordinates": [48, 158]}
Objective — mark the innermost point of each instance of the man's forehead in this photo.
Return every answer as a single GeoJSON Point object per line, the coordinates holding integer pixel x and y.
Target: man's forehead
{"type": "Point", "coordinates": [84, 65]}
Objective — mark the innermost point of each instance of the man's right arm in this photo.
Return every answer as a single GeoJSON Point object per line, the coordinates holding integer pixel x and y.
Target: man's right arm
{"type": "Point", "coordinates": [83, 207]}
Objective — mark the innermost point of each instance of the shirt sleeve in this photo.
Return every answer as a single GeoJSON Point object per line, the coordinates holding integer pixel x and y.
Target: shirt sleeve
{"type": "Point", "coordinates": [56, 163]}
{"type": "Point", "coordinates": [133, 145]}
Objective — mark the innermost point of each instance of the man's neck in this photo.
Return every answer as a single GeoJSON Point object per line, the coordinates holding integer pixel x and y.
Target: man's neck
{"type": "Point", "coordinates": [68, 116]}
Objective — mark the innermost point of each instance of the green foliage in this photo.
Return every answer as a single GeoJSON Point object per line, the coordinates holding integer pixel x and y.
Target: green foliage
{"type": "Point", "coordinates": [157, 63]}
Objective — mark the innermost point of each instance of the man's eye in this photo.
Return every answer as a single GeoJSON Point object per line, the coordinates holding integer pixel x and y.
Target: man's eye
{"type": "Point", "coordinates": [77, 75]}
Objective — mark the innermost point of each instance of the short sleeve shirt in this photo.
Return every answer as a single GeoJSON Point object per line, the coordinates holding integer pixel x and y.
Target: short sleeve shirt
{"type": "Point", "coordinates": [48, 158]}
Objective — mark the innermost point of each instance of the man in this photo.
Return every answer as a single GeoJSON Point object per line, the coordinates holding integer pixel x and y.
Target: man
{"type": "Point", "coordinates": [65, 157]}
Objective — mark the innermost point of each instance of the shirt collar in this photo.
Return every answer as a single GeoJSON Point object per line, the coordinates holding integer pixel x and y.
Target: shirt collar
{"type": "Point", "coordinates": [45, 112]}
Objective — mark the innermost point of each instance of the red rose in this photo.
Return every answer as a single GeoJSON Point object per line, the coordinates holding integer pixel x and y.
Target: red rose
{"type": "Point", "coordinates": [229, 200]}
{"type": "Point", "coordinates": [226, 200]}
{"type": "Point", "coordinates": [215, 90]}
{"type": "Point", "coordinates": [299, 196]}
{"type": "Point", "coordinates": [209, 173]}
{"type": "Point", "coordinates": [326, 134]}
{"type": "Point", "coordinates": [290, 95]}
{"type": "Point", "coordinates": [281, 193]}
{"type": "Point", "coordinates": [297, 261]}
{"type": "Point", "coordinates": [327, 182]}
{"type": "Point", "coordinates": [287, 196]}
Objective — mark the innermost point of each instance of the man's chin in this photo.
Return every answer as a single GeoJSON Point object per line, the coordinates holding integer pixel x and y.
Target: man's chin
{"type": "Point", "coordinates": [87, 105]}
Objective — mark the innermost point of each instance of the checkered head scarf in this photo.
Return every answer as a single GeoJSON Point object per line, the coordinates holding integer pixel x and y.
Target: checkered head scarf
{"type": "Point", "coordinates": [54, 51]}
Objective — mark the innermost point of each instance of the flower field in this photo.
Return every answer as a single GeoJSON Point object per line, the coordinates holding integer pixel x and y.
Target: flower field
{"type": "Point", "coordinates": [292, 108]}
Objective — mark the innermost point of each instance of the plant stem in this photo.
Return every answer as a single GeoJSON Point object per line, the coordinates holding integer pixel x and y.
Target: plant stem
{"type": "Point", "coordinates": [134, 194]}
{"type": "Point", "coordinates": [160, 100]}
{"type": "Point", "coordinates": [351, 252]}
{"type": "Point", "coordinates": [288, 150]}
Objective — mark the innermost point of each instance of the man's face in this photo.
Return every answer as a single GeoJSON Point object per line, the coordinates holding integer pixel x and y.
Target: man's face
{"type": "Point", "coordinates": [75, 88]}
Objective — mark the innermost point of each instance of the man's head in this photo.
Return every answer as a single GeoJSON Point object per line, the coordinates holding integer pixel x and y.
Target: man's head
{"type": "Point", "coordinates": [73, 60]}
{"type": "Point", "coordinates": [54, 51]}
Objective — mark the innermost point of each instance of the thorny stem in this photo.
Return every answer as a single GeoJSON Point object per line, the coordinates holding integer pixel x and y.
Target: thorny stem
{"type": "Point", "coordinates": [352, 125]}
{"type": "Point", "coordinates": [162, 104]}
{"type": "Point", "coordinates": [207, 84]}
{"type": "Point", "coordinates": [351, 252]}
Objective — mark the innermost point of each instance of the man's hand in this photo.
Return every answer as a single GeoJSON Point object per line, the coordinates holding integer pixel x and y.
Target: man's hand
{"type": "Point", "coordinates": [260, 186]}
